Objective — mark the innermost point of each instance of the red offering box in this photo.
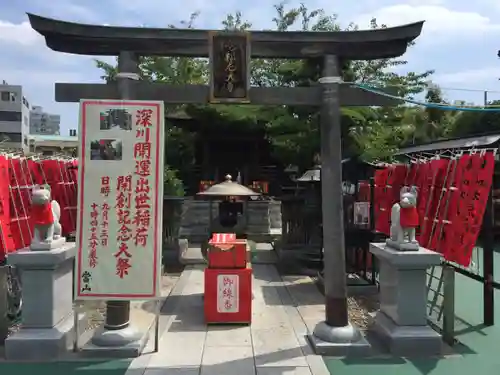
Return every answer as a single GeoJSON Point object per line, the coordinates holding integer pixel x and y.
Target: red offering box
{"type": "Point", "coordinates": [228, 254]}
{"type": "Point", "coordinates": [228, 295]}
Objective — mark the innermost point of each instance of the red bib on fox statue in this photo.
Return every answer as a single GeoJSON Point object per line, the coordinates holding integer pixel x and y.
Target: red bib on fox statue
{"type": "Point", "coordinates": [42, 214]}
{"type": "Point", "coordinates": [408, 217]}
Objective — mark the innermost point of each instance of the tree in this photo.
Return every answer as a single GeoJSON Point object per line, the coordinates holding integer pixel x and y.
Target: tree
{"type": "Point", "coordinates": [293, 131]}
{"type": "Point", "coordinates": [468, 123]}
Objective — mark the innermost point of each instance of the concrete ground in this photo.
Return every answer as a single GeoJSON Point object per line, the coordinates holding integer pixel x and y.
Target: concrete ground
{"type": "Point", "coordinates": [274, 344]}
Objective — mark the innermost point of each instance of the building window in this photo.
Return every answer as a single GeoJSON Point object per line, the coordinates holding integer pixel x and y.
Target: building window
{"type": "Point", "coordinates": [10, 116]}
{"type": "Point", "coordinates": [47, 152]}
{"type": "Point", "coordinates": [10, 137]}
{"type": "Point", "coordinates": [6, 96]}
{"type": "Point", "coordinates": [25, 102]}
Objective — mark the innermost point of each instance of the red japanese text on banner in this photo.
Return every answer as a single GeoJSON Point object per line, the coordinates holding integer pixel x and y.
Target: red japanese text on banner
{"type": "Point", "coordinates": [120, 200]}
{"type": "Point", "coordinates": [466, 220]}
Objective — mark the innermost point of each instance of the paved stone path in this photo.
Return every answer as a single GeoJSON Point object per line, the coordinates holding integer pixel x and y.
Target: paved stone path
{"type": "Point", "coordinates": [274, 344]}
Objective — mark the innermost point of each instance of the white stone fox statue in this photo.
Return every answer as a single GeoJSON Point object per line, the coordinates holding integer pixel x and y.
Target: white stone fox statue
{"type": "Point", "coordinates": [404, 220]}
{"type": "Point", "coordinates": [45, 215]}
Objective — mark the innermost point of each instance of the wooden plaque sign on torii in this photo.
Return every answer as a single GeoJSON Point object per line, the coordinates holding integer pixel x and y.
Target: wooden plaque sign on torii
{"type": "Point", "coordinates": [230, 54]}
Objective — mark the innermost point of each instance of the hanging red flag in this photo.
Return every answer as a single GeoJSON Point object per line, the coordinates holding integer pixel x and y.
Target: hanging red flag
{"type": "Point", "coordinates": [423, 182]}
{"type": "Point", "coordinates": [448, 189]}
{"type": "Point", "coordinates": [382, 213]}
{"type": "Point", "coordinates": [439, 172]}
{"type": "Point", "coordinates": [476, 185]}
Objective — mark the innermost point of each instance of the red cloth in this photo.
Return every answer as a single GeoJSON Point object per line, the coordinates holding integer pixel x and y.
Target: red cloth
{"type": "Point", "coordinates": [42, 214]}
{"type": "Point", "coordinates": [408, 217]}
{"type": "Point", "coordinates": [382, 202]}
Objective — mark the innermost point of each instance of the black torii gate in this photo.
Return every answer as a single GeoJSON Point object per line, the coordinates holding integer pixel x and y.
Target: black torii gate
{"type": "Point", "coordinates": [230, 54]}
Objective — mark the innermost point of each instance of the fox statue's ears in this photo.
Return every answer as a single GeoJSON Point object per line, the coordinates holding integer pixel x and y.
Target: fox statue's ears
{"type": "Point", "coordinates": [40, 187]}
{"type": "Point", "coordinates": [404, 190]}
{"type": "Point", "coordinates": [408, 189]}
{"type": "Point", "coordinates": [414, 190]}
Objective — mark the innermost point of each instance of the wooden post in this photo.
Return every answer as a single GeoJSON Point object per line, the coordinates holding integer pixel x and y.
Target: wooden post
{"type": "Point", "coordinates": [448, 276]}
{"type": "Point", "coordinates": [4, 304]}
{"type": "Point", "coordinates": [488, 263]}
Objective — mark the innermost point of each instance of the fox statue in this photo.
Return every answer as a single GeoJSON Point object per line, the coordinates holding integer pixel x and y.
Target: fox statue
{"type": "Point", "coordinates": [45, 216]}
{"type": "Point", "coordinates": [404, 221]}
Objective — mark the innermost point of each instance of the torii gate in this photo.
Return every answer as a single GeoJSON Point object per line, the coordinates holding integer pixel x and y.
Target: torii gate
{"type": "Point", "coordinates": [333, 47]}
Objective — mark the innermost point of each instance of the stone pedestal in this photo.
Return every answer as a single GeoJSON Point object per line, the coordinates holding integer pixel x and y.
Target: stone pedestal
{"type": "Point", "coordinates": [47, 329]}
{"type": "Point", "coordinates": [401, 323]}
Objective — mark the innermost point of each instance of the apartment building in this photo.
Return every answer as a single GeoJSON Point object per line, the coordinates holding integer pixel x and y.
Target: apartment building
{"type": "Point", "coordinates": [14, 117]}
{"type": "Point", "coordinates": [43, 123]}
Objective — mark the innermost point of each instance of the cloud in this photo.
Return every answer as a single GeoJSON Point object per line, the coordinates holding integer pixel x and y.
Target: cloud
{"type": "Point", "coordinates": [470, 77]}
{"type": "Point", "coordinates": [23, 34]}
{"type": "Point", "coordinates": [440, 21]}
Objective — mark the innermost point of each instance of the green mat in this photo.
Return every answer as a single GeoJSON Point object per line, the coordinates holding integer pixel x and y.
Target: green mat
{"type": "Point", "coordinates": [109, 367]}
{"type": "Point", "coordinates": [477, 354]}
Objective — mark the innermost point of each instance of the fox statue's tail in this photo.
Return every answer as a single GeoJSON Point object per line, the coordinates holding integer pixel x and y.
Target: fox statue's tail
{"type": "Point", "coordinates": [56, 210]}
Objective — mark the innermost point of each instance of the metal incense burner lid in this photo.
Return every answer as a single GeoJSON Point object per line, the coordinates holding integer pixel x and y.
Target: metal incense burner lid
{"type": "Point", "coordinates": [311, 175]}
{"type": "Point", "coordinates": [228, 188]}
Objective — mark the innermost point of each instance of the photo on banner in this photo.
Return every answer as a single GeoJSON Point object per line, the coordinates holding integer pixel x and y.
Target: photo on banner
{"type": "Point", "coordinates": [120, 203]}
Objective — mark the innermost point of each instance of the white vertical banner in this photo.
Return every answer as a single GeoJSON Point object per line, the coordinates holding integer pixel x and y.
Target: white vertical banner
{"type": "Point", "coordinates": [120, 200]}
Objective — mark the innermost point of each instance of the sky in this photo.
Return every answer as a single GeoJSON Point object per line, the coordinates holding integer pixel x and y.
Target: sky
{"type": "Point", "coordinates": [460, 39]}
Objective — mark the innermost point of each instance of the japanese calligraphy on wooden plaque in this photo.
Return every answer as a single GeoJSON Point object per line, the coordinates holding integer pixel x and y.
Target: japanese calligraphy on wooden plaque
{"type": "Point", "coordinates": [230, 67]}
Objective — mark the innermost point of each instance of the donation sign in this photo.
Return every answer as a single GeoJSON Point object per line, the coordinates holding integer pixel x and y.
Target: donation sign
{"type": "Point", "coordinates": [120, 199]}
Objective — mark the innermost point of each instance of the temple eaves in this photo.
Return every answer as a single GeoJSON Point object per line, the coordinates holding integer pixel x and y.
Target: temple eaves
{"type": "Point", "coordinates": [94, 40]}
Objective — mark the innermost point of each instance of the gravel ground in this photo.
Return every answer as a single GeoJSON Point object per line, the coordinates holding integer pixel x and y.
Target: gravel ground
{"type": "Point", "coordinates": [95, 312]}
{"type": "Point", "coordinates": [361, 310]}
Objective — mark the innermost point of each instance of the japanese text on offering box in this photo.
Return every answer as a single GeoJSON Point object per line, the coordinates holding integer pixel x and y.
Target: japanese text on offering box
{"type": "Point", "coordinates": [120, 200]}
{"type": "Point", "coordinates": [227, 294]}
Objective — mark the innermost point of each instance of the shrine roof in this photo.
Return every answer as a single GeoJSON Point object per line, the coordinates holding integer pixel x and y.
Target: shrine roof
{"type": "Point", "coordinates": [88, 39]}
{"type": "Point", "coordinates": [478, 141]}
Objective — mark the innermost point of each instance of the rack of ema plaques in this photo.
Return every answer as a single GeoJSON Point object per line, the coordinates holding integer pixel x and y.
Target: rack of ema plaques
{"type": "Point", "coordinates": [228, 281]}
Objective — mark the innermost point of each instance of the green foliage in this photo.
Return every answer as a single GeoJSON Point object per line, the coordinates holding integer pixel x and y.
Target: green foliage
{"type": "Point", "coordinates": [471, 123]}
{"type": "Point", "coordinates": [172, 185]}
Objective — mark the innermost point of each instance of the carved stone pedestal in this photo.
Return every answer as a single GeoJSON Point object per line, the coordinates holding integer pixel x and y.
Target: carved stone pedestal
{"type": "Point", "coordinates": [47, 329]}
{"type": "Point", "coordinates": [401, 323]}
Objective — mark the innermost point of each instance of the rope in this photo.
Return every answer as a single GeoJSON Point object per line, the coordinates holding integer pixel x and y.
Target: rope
{"type": "Point", "coordinates": [428, 86]}
{"type": "Point", "coordinates": [444, 107]}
